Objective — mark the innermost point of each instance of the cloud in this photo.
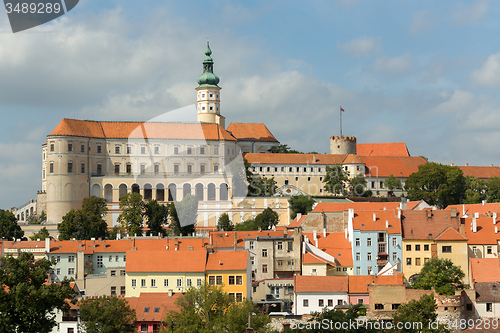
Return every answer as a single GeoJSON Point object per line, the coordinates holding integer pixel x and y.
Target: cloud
{"type": "Point", "coordinates": [489, 74]}
{"type": "Point", "coordinates": [362, 47]}
{"type": "Point", "coordinates": [422, 21]}
{"type": "Point", "coordinates": [393, 67]}
{"type": "Point", "coordinates": [468, 14]}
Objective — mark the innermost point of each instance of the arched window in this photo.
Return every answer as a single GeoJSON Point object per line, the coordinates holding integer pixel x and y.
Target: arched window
{"type": "Point", "coordinates": [223, 188]}
{"type": "Point", "coordinates": [211, 192]}
{"type": "Point", "coordinates": [136, 188]}
{"type": "Point", "coordinates": [108, 193]}
{"type": "Point", "coordinates": [96, 190]}
{"type": "Point", "coordinates": [148, 192]}
{"type": "Point", "coordinates": [186, 189]}
{"type": "Point", "coordinates": [172, 192]}
{"type": "Point", "coordinates": [198, 189]}
{"type": "Point", "coordinates": [160, 192]}
{"type": "Point", "coordinates": [122, 190]}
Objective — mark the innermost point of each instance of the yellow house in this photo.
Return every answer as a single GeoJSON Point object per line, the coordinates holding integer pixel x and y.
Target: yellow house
{"type": "Point", "coordinates": [231, 270]}
{"type": "Point", "coordinates": [163, 270]}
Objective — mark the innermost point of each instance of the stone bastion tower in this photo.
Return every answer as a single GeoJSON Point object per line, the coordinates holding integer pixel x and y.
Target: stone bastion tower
{"type": "Point", "coordinates": [343, 145]}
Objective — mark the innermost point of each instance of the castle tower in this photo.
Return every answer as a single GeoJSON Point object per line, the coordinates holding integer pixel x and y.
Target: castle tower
{"type": "Point", "coordinates": [208, 93]}
{"type": "Point", "coordinates": [344, 145]}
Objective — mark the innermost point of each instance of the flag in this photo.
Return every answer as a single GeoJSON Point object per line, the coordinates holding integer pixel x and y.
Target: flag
{"type": "Point", "coordinates": [342, 109]}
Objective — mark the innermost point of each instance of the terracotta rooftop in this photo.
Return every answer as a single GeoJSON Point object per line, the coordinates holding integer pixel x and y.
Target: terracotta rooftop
{"type": "Point", "coordinates": [308, 159]}
{"type": "Point", "coordinates": [470, 209]}
{"type": "Point", "coordinates": [363, 220]}
{"type": "Point", "coordinates": [140, 130]}
{"type": "Point", "coordinates": [450, 234]}
{"type": "Point", "coordinates": [24, 245]}
{"type": "Point", "coordinates": [357, 206]}
{"type": "Point", "coordinates": [251, 132]}
{"type": "Point", "coordinates": [485, 231]}
{"type": "Point", "coordinates": [399, 167]}
{"type": "Point", "coordinates": [335, 244]}
{"type": "Point", "coordinates": [484, 269]}
{"type": "Point", "coordinates": [153, 307]}
{"type": "Point", "coordinates": [358, 284]}
{"type": "Point", "coordinates": [382, 149]}
{"type": "Point", "coordinates": [227, 261]}
{"type": "Point", "coordinates": [483, 172]}
{"type": "Point", "coordinates": [296, 222]}
{"type": "Point", "coordinates": [417, 224]}
{"type": "Point", "coordinates": [166, 261]}
{"type": "Point", "coordinates": [352, 159]}
{"type": "Point", "coordinates": [320, 284]}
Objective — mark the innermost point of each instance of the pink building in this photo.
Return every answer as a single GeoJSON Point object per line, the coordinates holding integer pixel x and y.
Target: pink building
{"type": "Point", "coordinates": [358, 286]}
{"type": "Point", "coordinates": [151, 309]}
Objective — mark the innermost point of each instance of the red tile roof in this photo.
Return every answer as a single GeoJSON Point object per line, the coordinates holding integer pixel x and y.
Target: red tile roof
{"type": "Point", "coordinates": [476, 208]}
{"type": "Point", "coordinates": [295, 223]}
{"type": "Point", "coordinates": [450, 234]}
{"type": "Point", "coordinates": [251, 132]}
{"type": "Point", "coordinates": [153, 301]}
{"type": "Point", "coordinates": [483, 172]}
{"type": "Point", "coordinates": [308, 159]}
{"type": "Point", "coordinates": [343, 206]}
{"type": "Point", "coordinates": [227, 261]}
{"type": "Point", "coordinates": [485, 231]}
{"type": "Point", "coordinates": [166, 261]}
{"type": "Point", "coordinates": [318, 284]}
{"type": "Point", "coordinates": [484, 270]}
{"type": "Point", "coordinates": [363, 220]}
{"type": "Point", "coordinates": [399, 167]}
{"type": "Point", "coordinates": [358, 284]}
{"type": "Point", "coordinates": [382, 149]}
{"type": "Point", "coordinates": [352, 159]}
{"type": "Point", "coordinates": [417, 225]}
{"type": "Point", "coordinates": [335, 244]}
{"type": "Point", "coordinates": [140, 130]}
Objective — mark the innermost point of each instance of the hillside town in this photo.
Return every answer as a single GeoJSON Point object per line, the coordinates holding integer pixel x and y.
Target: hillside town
{"type": "Point", "coordinates": [295, 233]}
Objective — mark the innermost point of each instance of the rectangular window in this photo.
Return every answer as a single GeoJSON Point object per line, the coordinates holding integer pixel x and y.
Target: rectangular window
{"type": "Point", "coordinates": [394, 256]}
{"type": "Point", "coordinates": [124, 258]}
{"type": "Point", "coordinates": [71, 259]}
{"type": "Point", "coordinates": [165, 282]}
{"type": "Point", "coordinates": [122, 272]}
{"type": "Point", "coordinates": [202, 168]}
{"type": "Point", "coordinates": [290, 246]}
{"type": "Point", "coordinates": [321, 303]}
{"type": "Point", "coordinates": [82, 149]}
{"type": "Point", "coordinates": [143, 169]}
{"type": "Point", "coordinates": [143, 150]}
{"type": "Point", "coordinates": [394, 242]}
{"type": "Point", "coordinates": [99, 261]}
{"type": "Point", "coordinates": [340, 302]}
{"type": "Point", "coordinates": [489, 307]}
{"type": "Point", "coordinates": [216, 167]}
{"type": "Point", "coordinates": [408, 247]}
{"type": "Point", "coordinates": [70, 147]}
{"type": "Point", "coordinates": [153, 283]}
{"type": "Point", "coordinates": [82, 170]}
{"type": "Point", "coordinates": [176, 168]}
{"type": "Point", "coordinates": [144, 327]}
{"type": "Point", "coordinates": [239, 280]}
{"type": "Point", "coordinates": [330, 302]}
{"type": "Point", "coordinates": [122, 290]}
{"type": "Point", "coordinates": [358, 256]}
{"type": "Point", "coordinates": [379, 306]}
{"type": "Point", "coordinates": [381, 184]}
{"type": "Point", "coordinates": [190, 168]}
{"type": "Point", "coordinates": [417, 247]}
{"type": "Point", "coordinates": [239, 297]}
{"type": "Point", "coordinates": [252, 261]}
{"type": "Point", "coordinates": [202, 150]}
{"type": "Point", "coordinates": [134, 283]}
{"type": "Point", "coordinates": [110, 258]}
{"type": "Point", "coordinates": [358, 242]}
{"type": "Point", "coordinates": [474, 249]}
{"type": "Point", "coordinates": [264, 252]}
{"type": "Point", "coordinates": [157, 169]}
{"type": "Point", "coordinates": [117, 149]}
{"type": "Point", "coordinates": [129, 149]}
{"type": "Point", "coordinates": [99, 149]}
{"type": "Point", "coordinates": [251, 245]}
{"type": "Point", "coordinates": [143, 283]}
{"type": "Point", "coordinates": [211, 280]}
{"type": "Point", "coordinates": [189, 150]}
{"type": "Point", "coordinates": [198, 283]}
{"type": "Point", "coordinates": [488, 250]}
{"type": "Point", "coordinates": [280, 245]}
{"type": "Point", "coordinates": [369, 270]}
{"type": "Point", "coordinates": [157, 150]}
{"type": "Point", "coordinates": [469, 307]}
{"type": "Point", "coordinates": [369, 242]}
{"type": "Point", "coordinates": [417, 261]}
{"type": "Point", "coordinates": [426, 247]}
{"type": "Point", "coordinates": [360, 301]}
{"type": "Point", "coordinates": [58, 271]}
{"type": "Point", "coordinates": [264, 268]}
{"type": "Point", "coordinates": [408, 261]}
{"type": "Point", "coordinates": [71, 271]}
{"type": "Point", "coordinates": [446, 249]}
{"type": "Point", "coordinates": [70, 167]}
{"type": "Point", "coordinates": [117, 169]}
{"type": "Point", "coordinates": [216, 150]}
{"type": "Point", "coordinates": [51, 147]}
{"type": "Point", "coordinates": [113, 273]}
{"type": "Point", "coordinates": [369, 256]}
{"type": "Point", "coordinates": [231, 280]}
{"type": "Point", "coordinates": [218, 280]}
{"type": "Point", "coordinates": [99, 169]}
{"type": "Point", "coordinates": [179, 283]}
{"type": "Point", "coordinates": [358, 270]}
{"type": "Point", "coordinates": [113, 290]}
{"type": "Point", "coordinates": [395, 306]}
{"type": "Point", "coordinates": [305, 302]}
{"type": "Point", "coordinates": [188, 283]}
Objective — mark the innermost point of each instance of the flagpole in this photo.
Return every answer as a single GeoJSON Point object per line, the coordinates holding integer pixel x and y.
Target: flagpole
{"type": "Point", "coordinates": [340, 121]}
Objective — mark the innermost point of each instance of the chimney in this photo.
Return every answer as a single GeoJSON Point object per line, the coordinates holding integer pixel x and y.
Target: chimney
{"type": "Point", "coordinates": [314, 159]}
{"type": "Point", "coordinates": [476, 215]}
{"type": "Point", "coordinates": [374, 217]}
{"type": "Point", "coordinates": [210, 239]}
{"type": "Point", "coordinates": [80, 244]}
{"type": "Point", "coordinates": [386, 224]}
{"type": "Point", "coordinates": [315, 237]}
{"type": "Point", "coordinates": [399, 213]}
{"type": "Point", "coordinates": [47, 245]}
{"type": "Point", "coordinates": [452, 164]}
{"type": "Point", "coordinates": [403, 205]}
{"type": "Point", "coordinates": [453, 212]}
{"type": "Point", "coordinates": [484, 201]}
{"type": "Point", "coordinates": [466, 164]}
{"type": "Point", "coordinates": [299, 215]}
{"type": "Point", "coordinates": [324, 233]}
{"type": "Point", "coordinates": [474, 225]}
{"type": "Point", "coordinates": [463, 210]}
{"type": "Point", "coordinates": [316, 242]}
{"type": "Point", "coordinates": [496, 230]}
{"type": "Point", "coordinates": [429, 214]}
{"type": "Point", "coordinates": [491, 164]}
{"type": "Point", "coordinates": [346, 233]}
{"type": "Point", "coordinates": [170, 292]}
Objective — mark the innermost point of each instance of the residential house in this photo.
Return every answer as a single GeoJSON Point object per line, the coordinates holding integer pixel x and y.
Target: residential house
{"type": "Point", "coordinates": [359, 284]}
{"type": "Point", "coordinates": [484, 270]}
{"type": "Point", "coordinates": [151, 309]}
{"type": "Point", "coordinates": [274, 295]}
{"type": "Point", "coordinates": [482, 235]}
{"type": "Point", "coordinates": [314, 293]}
{"type": "Point", "coordinates": [327, 254]}
{"type": "Point", "coordinates": [487, 299]}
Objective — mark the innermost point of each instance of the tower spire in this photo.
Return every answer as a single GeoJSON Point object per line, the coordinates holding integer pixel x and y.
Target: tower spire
{"type": "Point", "coordinates": [208, 78]}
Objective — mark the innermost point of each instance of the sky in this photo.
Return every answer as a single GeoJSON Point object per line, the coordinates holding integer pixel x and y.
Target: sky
{"type": "Point", "coordinates": [426, 73]}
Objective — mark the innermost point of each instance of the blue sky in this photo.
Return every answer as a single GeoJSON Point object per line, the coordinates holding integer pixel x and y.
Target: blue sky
{"type": "Point", "coordinates": [425, 73]}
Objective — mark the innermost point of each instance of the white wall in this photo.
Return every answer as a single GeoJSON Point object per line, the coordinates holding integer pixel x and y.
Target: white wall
{"type": "Point", "coordinates": [481, 309]}
{"type": "Point", "coordinates": [314, 298]}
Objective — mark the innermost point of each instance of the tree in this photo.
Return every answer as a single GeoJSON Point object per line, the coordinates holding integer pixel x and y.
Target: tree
{"type": "Point", "coordinates": [183, 215]}
{"type": "Point", "coordinates": [301, 204]}
{"type": "Point", "coordinates": [440, 274]}
{"type": "Point", "coordinates": [28, 302]}
{"type": "Point", "coordinates": [283, 149]}
{"type": "Point", "coordinates": [357, 185]}
{"type": "Point", "coordinates": [106, 315]}
{"type": "Point", "coordinates": [337, 316]}
{"type": "Point", "coordinates": [493, 189]}
{"type": "Point", "coordinates": [131, 217]}
{"type": "Point", "coordinates": [156, 217]}
{"type": "Point", "coordinates": [225, 223]}
{"type": "Point", "coordinates": [475, 190]}
{"type": "Point", "coordinates": [42, 234]}
{"type": "Point", "coordinates": [421, 314]}
{"type": "Point", "coordinates": [37, 219]}
{"type": "Point", "coordinates": [208, 309]}
{"type": "Point", "coordinates": [392, 183]}
{"type": "Point", "coordinates": [85, 223]}
{"type": "Point", "coordinates": [437, 184]}
{"type": "Point", "coordinates": [265, 221]}
{"type": "Point", "coordinates": [262, 187]}
{"type": "Point", "coordinates": [335, 179]}
{"type": "Point", "coordinates": [8, 226]}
